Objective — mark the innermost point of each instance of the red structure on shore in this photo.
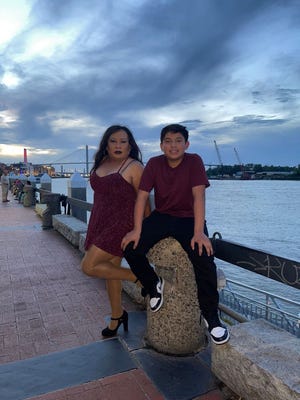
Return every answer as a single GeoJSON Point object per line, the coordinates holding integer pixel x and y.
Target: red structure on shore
{"type": "Point", "coordinates": [25, 156]}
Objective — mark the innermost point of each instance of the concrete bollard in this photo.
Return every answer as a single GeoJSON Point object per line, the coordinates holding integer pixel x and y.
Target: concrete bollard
{"type": "Point", "coordinates": [53, 208]}
{"type": "Point", "coordinates": [46, 182]}
{"type": "Point", "coordinates": [175, 328]}
{"type": "Point", "coordinates": [29, 195]}
{"type": "Point", "coordinates": [77, 190]}
{"type": "Point", "coordinates": [32, 180]}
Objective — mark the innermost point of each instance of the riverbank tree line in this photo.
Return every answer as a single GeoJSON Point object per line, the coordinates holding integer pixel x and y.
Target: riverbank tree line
{"type": "Point", "coordinates": [257, 171]}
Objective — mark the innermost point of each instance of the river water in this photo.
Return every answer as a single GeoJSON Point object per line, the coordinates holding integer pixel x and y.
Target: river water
{"type": "Point", "coordinates": [264, 215]}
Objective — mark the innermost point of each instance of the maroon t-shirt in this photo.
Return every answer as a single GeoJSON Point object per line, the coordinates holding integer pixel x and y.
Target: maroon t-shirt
{"type": "Point", "coordinates": [173, 186]}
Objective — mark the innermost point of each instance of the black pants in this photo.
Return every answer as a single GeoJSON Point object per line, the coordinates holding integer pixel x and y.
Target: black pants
{"type": "Point", "coordinates": [159, 226]}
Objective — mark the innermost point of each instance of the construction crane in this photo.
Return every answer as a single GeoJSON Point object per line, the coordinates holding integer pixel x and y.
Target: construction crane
{"type": "Point", "coordinates": [238, 158]}
{"type": "Point", "coordinates": [219, 157]}
{"type": "Point", "coordinates": [243, 174]}
{"type": "Point", "coordinates": [218, 153]}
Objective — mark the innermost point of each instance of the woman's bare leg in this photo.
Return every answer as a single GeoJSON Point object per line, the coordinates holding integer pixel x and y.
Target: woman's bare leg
{"type": "Point", "coordinates": [114, 290]}
{"type": "Point", "coordinates": [99, 263]}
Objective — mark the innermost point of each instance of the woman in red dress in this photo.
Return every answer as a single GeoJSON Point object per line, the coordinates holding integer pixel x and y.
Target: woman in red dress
{"type": "Point", "coordinates": [115, 178]}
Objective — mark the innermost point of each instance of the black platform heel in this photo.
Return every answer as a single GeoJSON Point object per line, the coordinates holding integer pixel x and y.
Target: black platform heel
{"type": "Point", "coordinates": [107, 332]}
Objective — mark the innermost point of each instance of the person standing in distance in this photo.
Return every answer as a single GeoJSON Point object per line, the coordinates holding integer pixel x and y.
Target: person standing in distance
{"type": "Point", "coordinates": [114, 177]}
{"type": "Point", "coordinates": [179, 181]}
{"type": "Point", "coordinates": [5, 185]}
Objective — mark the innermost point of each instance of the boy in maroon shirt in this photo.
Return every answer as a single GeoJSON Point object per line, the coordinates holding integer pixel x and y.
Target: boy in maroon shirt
{"type": "Point", "coordinates": [179, 181]}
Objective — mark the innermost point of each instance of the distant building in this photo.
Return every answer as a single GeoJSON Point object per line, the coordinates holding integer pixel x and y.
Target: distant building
{"type": "Point", "coordinates": [270, 174]}
{"type": "Point", "coordinates": [21, 168]}
{"type": "Point", "coordinates": [40, 169]}
{"type": "Point", "coordinates": [30, 169]}
{"type": "Point", "coordinates": [245, 174]}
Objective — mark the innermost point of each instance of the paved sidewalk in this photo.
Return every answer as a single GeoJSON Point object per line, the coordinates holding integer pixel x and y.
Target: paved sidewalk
{"type": "Point", "coordinates": [48, 308]}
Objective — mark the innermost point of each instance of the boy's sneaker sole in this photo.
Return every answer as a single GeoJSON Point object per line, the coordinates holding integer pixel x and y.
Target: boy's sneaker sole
{"type": "Point", "coordinates": [219, 335]}
{"type": "Point", "coordinates": [157, 301]}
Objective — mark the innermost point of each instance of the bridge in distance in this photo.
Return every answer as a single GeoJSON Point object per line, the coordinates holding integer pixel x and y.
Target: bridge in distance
{"type": "Point", "coordinates": [86, 163]}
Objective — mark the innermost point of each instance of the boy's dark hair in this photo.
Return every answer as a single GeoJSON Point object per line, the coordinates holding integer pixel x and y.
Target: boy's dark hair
{"type": "Point", "coordinates": [174, 128]}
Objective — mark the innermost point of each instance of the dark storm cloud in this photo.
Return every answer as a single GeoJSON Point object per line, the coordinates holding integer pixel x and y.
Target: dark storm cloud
{"type": "Point", "coordinates": [126, 58]}
{"type": "Point", "coordinates": [191, 124]}
{"type": "Point", "coordinates": [257, 97]}
{"type": "Point", "coordinates": [288, 95]}
{"type": "Point", "coordinates": [257, 120]}
{"type": "Point", "coordinates": [282, 95]}
{"type": "Point", "coordinates": [186, 40]}
{"type": "Point", "coordinates": [161, 52]}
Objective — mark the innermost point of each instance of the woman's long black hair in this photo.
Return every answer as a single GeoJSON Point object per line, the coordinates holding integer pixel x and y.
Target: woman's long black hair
{"type": "Point", "coordinates": [135, 152]}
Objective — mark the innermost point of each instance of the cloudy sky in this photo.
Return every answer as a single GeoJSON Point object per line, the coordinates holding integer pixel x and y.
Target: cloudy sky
{"type": "Point", "coordinates": [227, 69]}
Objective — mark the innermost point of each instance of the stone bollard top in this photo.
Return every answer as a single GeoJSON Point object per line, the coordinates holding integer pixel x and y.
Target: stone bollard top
{"type": "Point", "coordinates": [45, 178]}
{"type": "Point", "coordinates": [32, 180]}
{"type": "Point", "coordinates": [77, 181]}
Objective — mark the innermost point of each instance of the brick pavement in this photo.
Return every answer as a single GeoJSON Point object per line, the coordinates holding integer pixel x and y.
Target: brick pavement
{"type": "Point", "coordinates": [48, 305]}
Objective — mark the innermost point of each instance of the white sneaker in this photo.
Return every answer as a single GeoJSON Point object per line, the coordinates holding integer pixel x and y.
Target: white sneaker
{"type": "Point", "coordinates": [157, 301]}
{"type": "Point", "coordinates": [218, 332]}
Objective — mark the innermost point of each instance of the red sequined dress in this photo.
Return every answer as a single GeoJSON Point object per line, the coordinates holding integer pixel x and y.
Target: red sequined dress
{"type": "Point", "coordinates": [112, 213]}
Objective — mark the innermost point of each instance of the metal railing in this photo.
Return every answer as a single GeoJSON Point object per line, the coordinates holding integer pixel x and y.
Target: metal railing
{"type": "Point", "coordinates": [240, 302]}
{"type": "Point", "coordinates": [244, 302]}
